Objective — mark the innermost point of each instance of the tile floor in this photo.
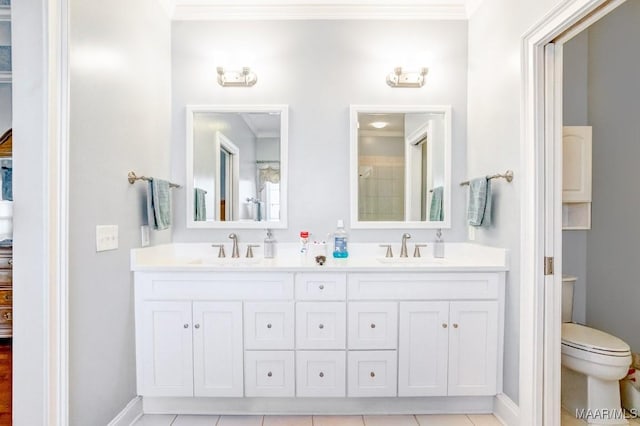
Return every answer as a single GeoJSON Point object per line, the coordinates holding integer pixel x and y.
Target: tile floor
{"type": "Point", "coordinates": [417, 420]}
{"type": "Point", "coordinates": [567, 419]}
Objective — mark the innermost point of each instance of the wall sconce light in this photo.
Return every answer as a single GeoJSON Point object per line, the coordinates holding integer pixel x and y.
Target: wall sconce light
{"type": "Point", "coordinates": [398, 78]}
{"type": "Point", "coordinates": [243, 78]}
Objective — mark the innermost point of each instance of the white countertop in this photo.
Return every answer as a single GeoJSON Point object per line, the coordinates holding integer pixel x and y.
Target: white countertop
{"type": "Point", "coordinates": [363, 257]}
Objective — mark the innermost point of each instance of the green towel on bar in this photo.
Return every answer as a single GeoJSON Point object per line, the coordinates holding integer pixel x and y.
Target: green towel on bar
{"type": "Point", "coordinates": [160, 203]}
{"type": "Point", "coordinates": [435, 211]}
{"type": "Point", "coordinates": [479, 206]}
{"type": "Point", "coordinates": [199, 208]}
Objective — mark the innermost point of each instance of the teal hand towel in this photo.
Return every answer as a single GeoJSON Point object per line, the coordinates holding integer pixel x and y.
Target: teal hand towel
{"type": "Point", "coordinates": [160, 203]}
{"type": "Point", "coordinates": [435, 211]}
{"type": "Point", "coordinates": [199, 208]}
{"type": "Point", "coordinates": [479, 205]}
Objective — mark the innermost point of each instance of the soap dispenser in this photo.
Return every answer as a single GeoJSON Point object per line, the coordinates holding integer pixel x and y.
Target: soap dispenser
{"type": "Point", "coordinates": [438, 245]}
{"type": "Point", "coordinates": [269, 246]}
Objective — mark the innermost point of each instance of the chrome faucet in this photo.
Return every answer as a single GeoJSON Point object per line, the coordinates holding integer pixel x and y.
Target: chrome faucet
{"type": "Point", "coordinates": [403, 247]}
{"type": "Point", "coordinates": [234, 251]}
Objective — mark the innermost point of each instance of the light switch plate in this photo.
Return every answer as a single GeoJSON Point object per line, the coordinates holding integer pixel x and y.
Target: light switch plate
{"type": "Point", "coordinates": [106, 237]}
{"type": "Point", "coordinates": [144, 235]}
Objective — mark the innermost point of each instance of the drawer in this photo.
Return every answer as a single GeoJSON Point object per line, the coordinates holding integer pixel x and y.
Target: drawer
{"type": "Point", "coordinates": [6, 316]}
{"type": "Point", "coordinates": [372, 373]}
{"type": "Point", "coordinates": [6, 277]}
{"type": "Point", "coordinates": [424, 286]}
{"type": "Point", "coordinates": [373, 325]}
{"type": "Point", "coordinates": [6, 261]}
{"type": "Point", "coordinates": [320, 286]}
{"type": "Point", "coordinates": [269, 373]}
{"type": "Point", "coordinates": [214, 286]}
{"type": "Point", "coordinates": [321, 325]}
{"type": "Point", "coordinates": [320, 373]}
{"type": "Point", "coordinates": [6, 297]}
{"type": "Point", "coordinates": [268, 325]}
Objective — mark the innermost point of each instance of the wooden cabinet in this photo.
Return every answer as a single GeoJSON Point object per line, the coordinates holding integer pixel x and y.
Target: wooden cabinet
{"type": "Point", "coordinates": [576, 177]}
{"type": "Point", "coordinates": [6, 293]}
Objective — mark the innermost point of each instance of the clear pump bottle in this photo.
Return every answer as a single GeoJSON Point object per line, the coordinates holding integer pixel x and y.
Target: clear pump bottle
{"type": "Point", "coordinates": [269, 246]}
{"type": "Point", "coordinates": [340, 239]}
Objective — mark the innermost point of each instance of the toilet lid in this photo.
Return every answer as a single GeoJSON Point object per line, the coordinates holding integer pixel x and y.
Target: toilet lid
{"type": "Point", "coordinates": [591, 339]}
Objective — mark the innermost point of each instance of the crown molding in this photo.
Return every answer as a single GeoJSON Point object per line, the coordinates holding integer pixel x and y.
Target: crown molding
{"type": "Point", "coordinates": [224, 12]}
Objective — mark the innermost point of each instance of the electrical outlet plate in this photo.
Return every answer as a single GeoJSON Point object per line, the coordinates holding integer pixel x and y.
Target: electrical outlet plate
{"type": "Point", "coordinates": [106, 237]}
{"type": "Point", "coordinates": [144, 235]}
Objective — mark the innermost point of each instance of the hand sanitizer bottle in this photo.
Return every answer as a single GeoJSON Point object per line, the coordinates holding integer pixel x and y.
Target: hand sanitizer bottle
{"type": "Point", "coordinates": [438, 245]}
{"type": "Point", "coordinates": [340, 238]}
{"type": "Point", "coordinates": [269, 246]}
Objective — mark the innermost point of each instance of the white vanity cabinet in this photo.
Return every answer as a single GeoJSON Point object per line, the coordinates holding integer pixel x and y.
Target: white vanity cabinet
{"type": "Point", "coordinates": [318, 334]}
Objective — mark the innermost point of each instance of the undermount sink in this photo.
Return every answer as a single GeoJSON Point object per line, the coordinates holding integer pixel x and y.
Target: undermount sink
{"type": "Point", "coordinates": [410, 260]}
{"type": "Point", "coordinates": [226, 261]}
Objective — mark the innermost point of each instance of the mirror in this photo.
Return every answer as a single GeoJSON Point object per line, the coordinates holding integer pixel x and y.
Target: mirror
{"type": "Point", "coordinates": [237, 166]}
{"type": "Point", "coordinates": [400, 166]}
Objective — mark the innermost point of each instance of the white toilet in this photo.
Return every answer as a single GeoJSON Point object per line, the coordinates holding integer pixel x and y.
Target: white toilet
{"type": "Point", "coordinates": [593, 362]}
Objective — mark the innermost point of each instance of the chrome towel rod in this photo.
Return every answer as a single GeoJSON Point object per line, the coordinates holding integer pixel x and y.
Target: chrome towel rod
{"type": "Point", "coordinates": [508, 175]}
{"type": "Point", "coordinates": [132, 177]}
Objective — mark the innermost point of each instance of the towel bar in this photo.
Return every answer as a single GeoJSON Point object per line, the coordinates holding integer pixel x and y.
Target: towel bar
{"type": "Point", "coordinates": [131, 177]}
{"type": "Point", "coordinates": [508, 175]}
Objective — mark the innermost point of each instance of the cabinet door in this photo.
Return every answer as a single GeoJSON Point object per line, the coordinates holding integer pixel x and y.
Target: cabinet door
{"type": "Point", "coordinates": [268, 325]}
{"type": "Point", "coordinates": [269, 373]}
{"type": "Point", "coordinates": [473, 348]}
{"type": "Point", "coordinates": [321, 325]}
{"type": "Point", "coordinates": [217, 346]}
{"type": "Point", "coordinates": [320, 373]}
{"type": "Point", "coordinates": [423, 348]}
{"type": "Point", "coordinates": [576, 164]}
{"type": "Point", "coordinates": [166, 340]}
{"type": "Point", "coordinates": [373, 325]}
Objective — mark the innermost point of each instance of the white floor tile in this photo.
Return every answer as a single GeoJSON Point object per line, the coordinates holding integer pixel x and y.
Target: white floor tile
{"type": "Point", "coordinates": [390, 421]}
{"type": "Point", "coordinates": [566, 419]}
{"type": "Point", "coordinates": [287, 421]}
{"type": "Point", "coordinates": [240, 421]}
{"type": "Point", "coordinates": [484, 420]}
{"type": "Point", "coordinates": [156, 420]}
{"type": "Point", "coordinates": [184, 420]}
{"type": "Point", "coordinates": [338, 421]}
{"type": "Point", "coordinates": [444, 420]}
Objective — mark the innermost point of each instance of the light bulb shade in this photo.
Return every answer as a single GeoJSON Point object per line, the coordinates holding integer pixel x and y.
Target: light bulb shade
{"type": "Point", "coordinates": [399, 78]}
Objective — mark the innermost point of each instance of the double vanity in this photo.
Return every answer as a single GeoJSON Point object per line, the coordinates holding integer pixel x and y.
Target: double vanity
{"type": "Point", "coordinates": [362, 334]}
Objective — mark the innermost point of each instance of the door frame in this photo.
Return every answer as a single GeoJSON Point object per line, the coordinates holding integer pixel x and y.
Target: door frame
{"type": "Point", "coordinates": [541, 231]}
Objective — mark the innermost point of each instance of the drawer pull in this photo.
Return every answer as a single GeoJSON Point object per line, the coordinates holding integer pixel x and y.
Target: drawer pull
{"type": "Point", "coordinates": [186, 326]}
{"type": "Point", "coordinates": [373, 325]}
{"type": "Point", "coordinates": [321, 374]}
{"type": "Point", "coordinates": [321, 326]}
{"type": "Point", "coordinates": [269, 325]}
{"type": "Point", "coordinates": [455, 325]}
{"type": "Point", "coordinates": [372, 374]}
{"type": "Point", "coordinates": [197, 326]}
{"type": "Point", "coordinates": [10, 262]}
{"type": "Point", "coordinates": [444, 325]}
{"type": "Point", "coordinates": [269, 374]}
{"type": "Point", "coordinates": [321, 286]}
{"type": "Point", "coordinates": [7, 316]}
{"type": "Point", "coordinates": [7, 296]}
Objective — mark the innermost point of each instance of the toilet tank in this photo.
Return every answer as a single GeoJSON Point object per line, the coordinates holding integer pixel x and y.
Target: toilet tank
{"type": "Point", "coordinates": [568, 283]}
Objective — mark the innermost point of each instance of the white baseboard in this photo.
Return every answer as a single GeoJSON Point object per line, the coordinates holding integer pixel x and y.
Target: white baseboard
{"type": "Point", "coordinates": [506, 410]}
{"type": "Point", "coordinates": [129, 414]}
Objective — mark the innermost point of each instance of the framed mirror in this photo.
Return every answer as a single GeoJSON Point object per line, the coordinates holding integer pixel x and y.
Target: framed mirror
{"type": "Point", "coordinates": [400, 166]}
{"type": "Point", "coordinates": [237, 166]}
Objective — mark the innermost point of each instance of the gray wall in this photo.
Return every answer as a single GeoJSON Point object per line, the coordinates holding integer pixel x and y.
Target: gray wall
{"type": "Point", "coordinates": [612, 243]}
{"type": "Point", "coordinates": [575, 113]}
{"type": "Point", "coordinates": [495, 34]}
{"type": "Point", "coordinates": [119, 121]}
{"type": "Point", "coordinates": [319, 68]}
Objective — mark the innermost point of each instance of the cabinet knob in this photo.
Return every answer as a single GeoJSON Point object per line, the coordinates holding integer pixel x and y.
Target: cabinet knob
{"type": "Point", "coordinates": [269, 325]}
{"type": "Point", "coordinates": [186, 326]}
{"type": "Point", "coordinates": [7, 296]}
{"type": "Point", "coordinates": [321, 374]}
{"type": "Point", "coordinates": [7, 316]}
{"type": "Point", "coordinates": [373, 325]}
{"type": "Point", "coordinates": [321, 286]}
{"type": "Point", "coordinates": [444, 325]}
{"type": "Point", "coordinates": [197, 326]}
{"type": "Point", "coordinates": [269, 374]}
{"type": "Point", "coordinates": [321, 326]}
{"type": "Point", "coordinates": [455, 325]}
{"type": "Point", "coordinates": [372, 374]}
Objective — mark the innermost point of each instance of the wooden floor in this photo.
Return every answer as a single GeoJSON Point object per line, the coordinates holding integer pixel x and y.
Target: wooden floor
{"type": "Point", "coordinates": [5, 382]}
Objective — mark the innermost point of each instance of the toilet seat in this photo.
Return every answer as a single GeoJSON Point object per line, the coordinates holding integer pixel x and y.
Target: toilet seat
{"type": "Point", "coordinates": [587, 339]}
